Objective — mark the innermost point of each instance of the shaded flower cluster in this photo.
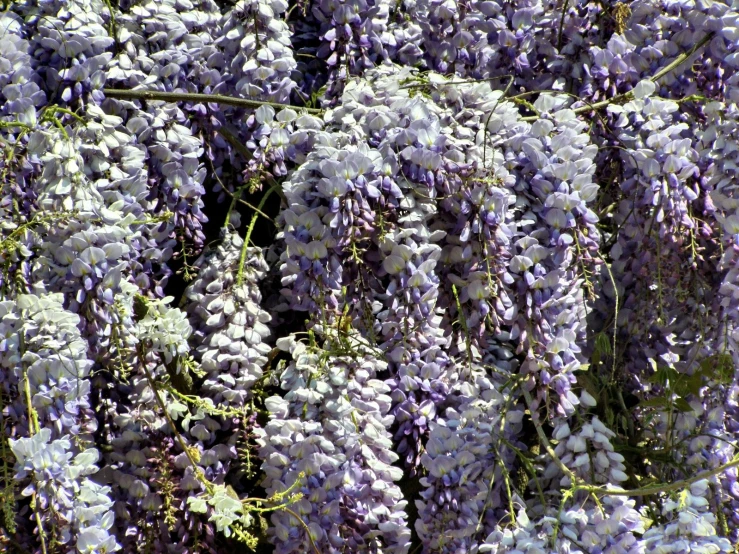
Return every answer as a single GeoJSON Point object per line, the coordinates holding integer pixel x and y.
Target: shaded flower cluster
{"type": "Point", "coordinates": [334, 448]}
{"type": "Point", "coordinates": [44, 360]}
{"type": "Point", "coordinates": [229, 325]}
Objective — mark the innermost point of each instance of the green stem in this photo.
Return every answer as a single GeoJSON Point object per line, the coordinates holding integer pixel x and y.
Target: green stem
{"type": "Point", "coordinates": [460, 82]}
{"type": "Point", "coordinates": [197, 97]}
{"type": "Point", "coordinates": [628, 95]}
{"type": "Point", "coordinates": [162, 406]}
{"type": "Point", "coordinates": [487, 121]}
{"type": "Point", "coordinates": [305, 526]}
{"type": "Point", "coordinates": [683, 57]}
{"type": "Point", "coordinates": [544, 440]}
{"type": "Point", "coordinates": [54, 108]}
{"type": "Point", "coordinates": [667, 487]}
{"type": "Point", "coordinates": [615, 319]}
{"type": "Point", "coordinates": [13, 124]}
{"type": "Point", "coordinates": [33, 429]}
{"type": "Point", "coordinates": [562, 24]}
{"type": "Point", "coordinates": [578, 484]}
{"type": "Point", "coordinates": [247, 238]}
{"type": "Point", "coordinates": [236, 196]}
{"type": "Point", "coordinates": [248, 155]}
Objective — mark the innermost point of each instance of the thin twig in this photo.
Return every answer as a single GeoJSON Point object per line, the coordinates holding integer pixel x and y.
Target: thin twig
{"type": "Point", "coordinates": [487, 121]}
{"type": "Point", "coordinates": [305, 526]}
{"type": "Point", "coordinates": [162, 406]}
{"type": "Point", "coordinates": [628, 95]}
{"type": "Point", "coordinates": [233, 140]}
{"type": "Point", "coordinates": [34, 428]}
{"type": "Point", "coordinates": [248, 155]}
{"type": "Point", "coordinates": [683, 57]}
{"type": "Point", "coordinates": [198, 97]}
{"type": "Point", "coordinates": [562, 24]}
{"type": "Point", "coordinates": [247, 238]}
{"type": "Point", "coordinates": [615, 318]}
{"type": "Point", "coordinates": [183, 444]}
{"type": "Point", "coordinates": [460, 82]}
{"type": "Point", "coordinates": [579, 484]}
{"type": "Point", "coordinates": [236, 197]}
{"type": "Point", "coordinates": [543, 438]}
{"type": "Point", "coordinates": [252, 207]}
{"type": "Point", "coordinates": [668, 487]}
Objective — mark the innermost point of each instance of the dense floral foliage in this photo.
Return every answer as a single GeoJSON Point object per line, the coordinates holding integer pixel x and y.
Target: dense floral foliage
{"type": "Point", "coordinates": [485, 297]}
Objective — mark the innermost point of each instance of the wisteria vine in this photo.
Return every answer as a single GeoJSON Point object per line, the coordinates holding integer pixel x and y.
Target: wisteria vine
{"type": "Point", "coordinates": [360, 276]}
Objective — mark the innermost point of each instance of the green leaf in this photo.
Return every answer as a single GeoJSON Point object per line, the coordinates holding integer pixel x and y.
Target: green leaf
{"type": "Point", "coordinates": [232, 493]}
{"type": "Point", "coordinates": [689, 384]}
{"type": "Point", "coordinates": [589, 382]}
{"type": "Point", "coordinates": [603, 345]}
{"type": "Point", "coordinates": [658, 402]}
{"type": "Point", "coordinates": [718, 368]}
{"type": "Point", "coordinates": [682, 405]}
{"type": "Point", "coordinates": [664, 375]}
